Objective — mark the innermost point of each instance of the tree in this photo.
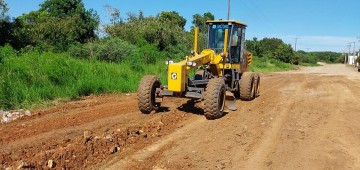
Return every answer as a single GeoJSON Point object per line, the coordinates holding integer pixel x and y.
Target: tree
{"type": "Point", "coordinates": [164, 30]}
{"type": "Point", "coordinates": [87, 21]}
{"type": "Point", "coordinates": [272, 48]}
{"type": "Point", "coordinates": [114, 14]}
{"type": "Point", "coordinates": [6, 27]}
{"type": "Point", "coordinates": [58, 24]}
{"type": "Point", "coordinates": [3, 10]}
{"type": "Point", "coordinates": [327, 56]}
{"type": "Point", "coordinates": [252, 46]}
{"type": "Point", "coordinates": [172, 17]}
{"type": "Point", "coordinates": [200, 21]}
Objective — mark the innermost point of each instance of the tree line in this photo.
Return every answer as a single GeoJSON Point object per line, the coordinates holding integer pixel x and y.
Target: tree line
{"type": "Point", "coordinates": [67, 26]}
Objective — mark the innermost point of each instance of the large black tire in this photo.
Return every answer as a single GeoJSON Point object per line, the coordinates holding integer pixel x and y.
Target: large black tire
{"type": "Point", "coordinates": [214, 99]}
{"type": "Point", "coordinates": [247, 86]}
{"type": "Point", "coordinates": [147, 94]}
{"type": "Point", "coordinates": [257, 85]}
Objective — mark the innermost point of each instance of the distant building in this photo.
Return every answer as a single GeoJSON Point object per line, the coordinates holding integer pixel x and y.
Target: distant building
{"type": "Point", "coordinates": [351, 59]}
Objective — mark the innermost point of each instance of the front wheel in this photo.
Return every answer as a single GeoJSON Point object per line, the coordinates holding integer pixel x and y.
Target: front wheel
{"type": "Point", "coordinates": [147, 94]}
{"type": "Point", "coordinates": [214, 99]}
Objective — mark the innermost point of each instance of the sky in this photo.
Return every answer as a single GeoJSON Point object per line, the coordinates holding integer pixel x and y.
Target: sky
{"type": "Point", "coordinates": [313, 25]}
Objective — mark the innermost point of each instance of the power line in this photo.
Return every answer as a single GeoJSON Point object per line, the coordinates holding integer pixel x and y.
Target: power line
{"type": "Point", "coordinates": [349, 45]}
{"type": "Point", "coordinates": [354, 48]}
{"type": "Point", "coordinates": [353, 53]}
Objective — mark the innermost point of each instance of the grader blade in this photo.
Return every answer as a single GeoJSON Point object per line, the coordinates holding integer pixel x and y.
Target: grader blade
{"type": "Point", "coordinates": [230, 102]}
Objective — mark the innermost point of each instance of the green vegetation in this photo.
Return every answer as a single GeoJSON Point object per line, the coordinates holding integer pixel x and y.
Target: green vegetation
{"type": "Point", "coordinates": [55, 26]}
{"type": "Point", "coordinates": [3, 9]}
{"type": "Point", "coordinates": [272, 48]}
{"type": "Point", "coordinates": [261, 64]}
{"type": "Point", "coordinates": [54, 52]}
{"type": "Point", "coordinates": [310, 64]}
{"type": "Point", "coordinates": [31, 77]}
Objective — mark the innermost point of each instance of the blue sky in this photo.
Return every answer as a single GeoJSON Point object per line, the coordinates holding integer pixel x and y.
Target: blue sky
{"type": "Point", "coordinates": [319, 25]}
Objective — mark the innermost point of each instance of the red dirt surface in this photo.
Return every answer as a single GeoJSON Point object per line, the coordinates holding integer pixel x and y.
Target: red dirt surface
{"type": "Point", "coordinates": [305, 119]}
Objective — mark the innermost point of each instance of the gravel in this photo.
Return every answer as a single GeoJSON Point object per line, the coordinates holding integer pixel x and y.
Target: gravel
{"type": "Point", "coordinates": [8, 116]}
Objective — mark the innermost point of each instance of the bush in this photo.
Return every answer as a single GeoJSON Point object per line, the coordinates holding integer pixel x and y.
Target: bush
{"type": "Point", "coordinates": [117, 50]}
{"type": "Point", "coordinates": [269, 65]}
{"type": "Point", "coordinates": [82, 51]}
{"type": "Point", "coordinates": [159, 32]}
{"type": "Point", "coordinates": [6, 52]}
{"type": "Point", "coordinates": [112, 50]}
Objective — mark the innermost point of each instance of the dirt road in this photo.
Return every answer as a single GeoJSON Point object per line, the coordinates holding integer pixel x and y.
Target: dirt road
{"type": "Point", "coordinates": [304, 119]}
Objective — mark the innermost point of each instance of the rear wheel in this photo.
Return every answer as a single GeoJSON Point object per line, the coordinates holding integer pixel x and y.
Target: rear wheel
{"type": "Point", "coordinates": [214, 99]}
{"type": "Point", "coordinates": [147, 94]}
{"type": "Point", "coordinates": [247, 86]}
{"type": "Point", "coordinates": [257, 85]}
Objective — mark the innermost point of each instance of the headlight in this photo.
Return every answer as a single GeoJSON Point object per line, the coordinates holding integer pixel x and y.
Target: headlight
{"type": "Point", "coordinates": [191, 63]}
{"type": "Point", "coordinates": [173, 76]}
{"type": "Point", "coordinates": [169, 62]}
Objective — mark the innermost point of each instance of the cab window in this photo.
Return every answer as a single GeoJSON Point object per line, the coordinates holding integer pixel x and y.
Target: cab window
{"type": "Point", "coordinates": [216, 36]}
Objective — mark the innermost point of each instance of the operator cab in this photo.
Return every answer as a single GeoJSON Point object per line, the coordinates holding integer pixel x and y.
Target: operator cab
{"type": "Point", "coordinates": [236, 38]}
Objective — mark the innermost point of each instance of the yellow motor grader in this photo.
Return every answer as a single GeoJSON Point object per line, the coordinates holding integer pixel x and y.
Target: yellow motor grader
{"type": "Point", "coordinates": [221, 73]}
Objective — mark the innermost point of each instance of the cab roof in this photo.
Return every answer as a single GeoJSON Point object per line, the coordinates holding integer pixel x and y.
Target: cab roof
{"type": "Point", "coordinates": [234, 22]}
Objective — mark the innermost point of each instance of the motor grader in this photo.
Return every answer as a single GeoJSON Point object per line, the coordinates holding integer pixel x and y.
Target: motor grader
{"type": "Point", "coordinates": [220, 73]}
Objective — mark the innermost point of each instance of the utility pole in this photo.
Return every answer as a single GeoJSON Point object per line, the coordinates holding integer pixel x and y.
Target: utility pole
{"type": "Point", "coordinates": [296, 38]}
{"type": "Point", "coordinates": [354, 48]}
{"type": "Point", "coordinates": [348, 56]}
{"type": "Point", "coordinates": [349, 46]}
{"type": "Point", "coordinates": [344, 54]}
{"type": "Point", "coordinates": [228, 14]}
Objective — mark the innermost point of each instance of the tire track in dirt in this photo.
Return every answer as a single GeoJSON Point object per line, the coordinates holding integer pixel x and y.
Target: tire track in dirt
{"type": "Point", "coordinates": [270, 137]}
{"type": "Point", "coordinates": [206, 133]}
{"type": "Point", "coordinates": [291, 125]}
{"type": "Point", "coordinates": [316, 132]}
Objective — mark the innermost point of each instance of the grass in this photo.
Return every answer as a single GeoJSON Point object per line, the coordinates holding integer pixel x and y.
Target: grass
{"type": "Point", "coordinates": [33, 79]}
{"type": "Point", "coordinates": [269, 65]}
{"type": "Point", "coordinates": [310, 64]}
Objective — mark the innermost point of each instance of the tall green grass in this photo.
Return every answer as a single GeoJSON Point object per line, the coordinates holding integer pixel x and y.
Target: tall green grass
{"type": "Point", "coordinates": [32, 78]}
